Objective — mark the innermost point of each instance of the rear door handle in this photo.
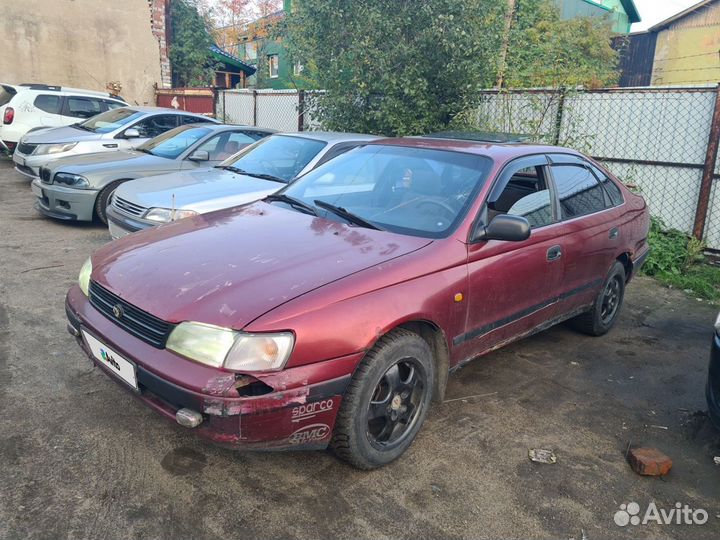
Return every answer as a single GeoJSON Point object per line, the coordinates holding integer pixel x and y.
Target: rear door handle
{"type": "Point", "coordinates": [614, 233]}
{"type": "Point", "coordinates": [554, 253]}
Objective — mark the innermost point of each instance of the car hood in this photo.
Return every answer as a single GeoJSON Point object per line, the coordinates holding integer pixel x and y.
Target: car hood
{"type": "Point", "coordinates": [60, 135]}
{"type": "Point", "coordinates": [127, 160]}
{"type": "Point", "coordinates": [202, 190]}
{"type": "Point", "coordinates": [229, 267]}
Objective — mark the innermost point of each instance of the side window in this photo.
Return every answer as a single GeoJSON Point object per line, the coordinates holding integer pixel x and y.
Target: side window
{"type": "Point", "coordinates": [526, 194]}
{"type": "Point", "coordinates": [82, 107]}
{"type": "Point", "coordinates": [225, 145]}
{"type": "Point", "coordinates": [48, 103]}
{"type": "Point", "coordinates": [616, 198]}
{"type": "Point", "coordinates": [156, 125]}
{"type": "Point", "coordinates": [193, 120]}
{"type": "Point", "coordinates": [334, 152]}
{"type": "Point", "coordinates": [109, 105]}
{"type": "Point", "coordinates": [579, 192]}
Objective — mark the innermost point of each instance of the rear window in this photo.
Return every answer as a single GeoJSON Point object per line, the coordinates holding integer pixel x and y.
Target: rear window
{"type": "Point", "coordinates": [6, 94]}
{"type": "Point", "coordinates": [48, 103]}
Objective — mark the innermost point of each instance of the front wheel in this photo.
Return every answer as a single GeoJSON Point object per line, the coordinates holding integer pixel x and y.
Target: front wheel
{"type": "Point", "coordinates": [601, 318]}
{"type": "Point", "coordinates": [386, 401]}
{"type": "Point", "coordinates": [103, 200]}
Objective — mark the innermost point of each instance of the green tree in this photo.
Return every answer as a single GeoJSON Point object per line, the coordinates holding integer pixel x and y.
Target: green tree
{"type": "Point", "coordinates": [545, 51]}
{"type": "Point", "coordinates": [399, 67]}
{"type": "Point", "coordinates": [190, 59]}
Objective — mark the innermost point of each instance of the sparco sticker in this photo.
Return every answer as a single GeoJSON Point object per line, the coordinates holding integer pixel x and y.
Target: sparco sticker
{"type": "Point", "coordinates": [308, 410]}
{"type": "Point", "coordinates": [308, 434]}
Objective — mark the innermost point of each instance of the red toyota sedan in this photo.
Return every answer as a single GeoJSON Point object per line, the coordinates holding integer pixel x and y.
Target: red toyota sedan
{"type": "Point", "coordinates": [330, 313]}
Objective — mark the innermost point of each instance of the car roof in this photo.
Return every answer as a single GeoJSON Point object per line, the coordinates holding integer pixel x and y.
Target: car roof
{"type": "Point", "coordinates": [500, 151]}
{"type": "Point", "coordinates": [221, 127]}
{"type": "Point", "coordinates": [332, 136]}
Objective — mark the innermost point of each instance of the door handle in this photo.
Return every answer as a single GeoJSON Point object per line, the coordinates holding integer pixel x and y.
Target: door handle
{"type": "Point", "coordinates": [554, 253]}
{"type": "Point", "coordinates": [614, 233]}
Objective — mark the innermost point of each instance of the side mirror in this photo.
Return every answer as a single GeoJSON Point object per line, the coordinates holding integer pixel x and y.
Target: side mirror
{"type": "Point", "coordinates": [199, 155]}
{"type": "Point", "coordinates": [504, 227]}
{"type": "Point", "coordinates": [131, 133]}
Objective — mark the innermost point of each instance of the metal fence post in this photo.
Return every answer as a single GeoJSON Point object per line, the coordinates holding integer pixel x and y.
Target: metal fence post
{"type": "Point", "coordinates": [301, 110]}
{"type": "Point", "coordinates": [559, 117]}
{"type": "Point", "coordinates": [255, 107]}
{"type": "Point", "coordinates": [224, 109]}
{"type": "Point", "coordinates": [708, 171]}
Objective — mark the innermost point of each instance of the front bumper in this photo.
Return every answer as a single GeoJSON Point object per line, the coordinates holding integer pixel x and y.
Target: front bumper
{"type": "Point", "coordinates": [298, 412]}
{"type": "Point", "coordinates": [121, 225]}
{"type": "Point", "coordinates": [712, 389]}
{"type": "Point", "coordinates": [64, 203]}
{"type": "Point", "coordinates": [23, 167]}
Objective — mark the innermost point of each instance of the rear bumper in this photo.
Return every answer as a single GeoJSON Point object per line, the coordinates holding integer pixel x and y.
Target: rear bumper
{"type": "Point", "coordinates": [712, 390]}
{"type": "Point", "coordinates": [638, 261]}
{"type": "Point", "coordinates": [297, 413]}
{"type": "Point", "coordinates": [63, 202]}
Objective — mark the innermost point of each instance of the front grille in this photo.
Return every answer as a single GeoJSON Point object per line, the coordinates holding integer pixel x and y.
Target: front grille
{"type": "Point", "coordinates": [25, 169]}
{"type": "Point", "coordinates": [136, 321]}
{"type": "Point", "coordinates": [128, 207]}
{"type": "Point", "coordinates": [45, 175]}
{"type": "Point", "coordinates": [25, 148]}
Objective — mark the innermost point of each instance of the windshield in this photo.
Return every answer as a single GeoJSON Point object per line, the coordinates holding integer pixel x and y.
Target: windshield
{"type": "Point", "coordinates": [278, 155]}
{"type": "Point", "coordinates": [407, 190]}
{"type": "Point", "coordinates": [174, 142]}
{"type": "Point", "coordinates": [110, 120]}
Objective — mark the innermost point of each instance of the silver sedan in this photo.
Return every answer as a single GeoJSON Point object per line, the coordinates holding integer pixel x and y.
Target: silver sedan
{"type": "Point", "coordinates": [79, 188]}
{"type": "Point", "coordinates": [254, 173]}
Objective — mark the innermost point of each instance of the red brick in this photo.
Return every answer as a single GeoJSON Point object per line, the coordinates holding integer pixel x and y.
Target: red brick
{"type": "Point", "coordinates": [650, 462]}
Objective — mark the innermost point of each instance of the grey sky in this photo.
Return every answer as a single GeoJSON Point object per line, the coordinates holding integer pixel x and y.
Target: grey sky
{"type": "Point", "coordinates": [654, 11]}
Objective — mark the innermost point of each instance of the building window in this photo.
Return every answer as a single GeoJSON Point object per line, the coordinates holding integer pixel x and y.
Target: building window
{"type": "Point", "coordinates": [250, 50]}
{"type": "Point", "coordinates": [273, 65]}
{"type": "Point", "coordinates": [298, 69]}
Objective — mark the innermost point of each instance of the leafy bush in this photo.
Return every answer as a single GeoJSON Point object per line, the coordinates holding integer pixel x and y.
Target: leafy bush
{"type": "Point", "coordinates": [678, 261]}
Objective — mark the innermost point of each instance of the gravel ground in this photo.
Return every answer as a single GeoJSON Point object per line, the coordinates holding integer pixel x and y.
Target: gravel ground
{"type": "Point", "coordinates": [82, 459]}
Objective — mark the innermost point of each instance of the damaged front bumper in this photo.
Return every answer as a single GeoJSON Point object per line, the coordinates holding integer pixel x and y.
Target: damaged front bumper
{"type": "Point", "coordinates": [291, 409]}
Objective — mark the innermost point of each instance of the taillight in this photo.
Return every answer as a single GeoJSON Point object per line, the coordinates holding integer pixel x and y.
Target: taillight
{"type": "Point", "coordinates": [9, 115]}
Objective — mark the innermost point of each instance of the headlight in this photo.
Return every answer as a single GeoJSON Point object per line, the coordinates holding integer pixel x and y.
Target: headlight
{"type": "Point", "coordinates": [84, 277]}
{"type": "Point", "coordinates": [74, 180]}
{"type": "Point", "coordinates": [165, 215]}
{"type": "Point", "coordinates": [43, 149]}
{"type": "Point", "coordinates": [229, 349]}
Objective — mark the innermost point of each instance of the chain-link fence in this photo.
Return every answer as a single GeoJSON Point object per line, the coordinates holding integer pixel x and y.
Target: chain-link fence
{"type": "Point", "coordinates": [275, 109]}
{"type": "Point", "coordinates": [654, 139]}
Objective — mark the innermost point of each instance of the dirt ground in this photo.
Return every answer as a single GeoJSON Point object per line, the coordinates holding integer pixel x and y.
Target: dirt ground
{"type": "Point", "coordinates": [81, 458]}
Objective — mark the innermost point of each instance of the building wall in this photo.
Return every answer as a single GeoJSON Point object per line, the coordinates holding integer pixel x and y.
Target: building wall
{"type": "Point", "coordinates": [86, 44]}
{"type": "Point", "coordinates": [612, 9]}
{"type": "Point", "coordinates": [687, 51]}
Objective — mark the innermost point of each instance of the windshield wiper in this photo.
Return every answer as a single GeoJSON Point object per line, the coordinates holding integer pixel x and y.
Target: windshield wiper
{"type": "Point", "coordinates": [84, 128]}
{"type": "Point", "coordinates": [345, 214]}
{"type": "Point", "coordinates": [295, 203]}
{"type": "Point", "coordinates": [144, 150]}
{"type": "Point", "coordinates": [264, 176]}
{"type": "Point", "coordinates": [230, 168]}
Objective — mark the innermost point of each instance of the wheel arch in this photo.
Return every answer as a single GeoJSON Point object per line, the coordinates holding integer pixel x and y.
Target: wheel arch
{"type": "Point", "coordinates": [626, 261]}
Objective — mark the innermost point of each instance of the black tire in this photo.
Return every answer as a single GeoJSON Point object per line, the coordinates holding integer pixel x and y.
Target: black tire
{"type": "Point", "coordinates": [402, 356]}
{"type": "Point", "coordinates": [601, 318]}
{"type": "Point", "coordinates": [103, 198]}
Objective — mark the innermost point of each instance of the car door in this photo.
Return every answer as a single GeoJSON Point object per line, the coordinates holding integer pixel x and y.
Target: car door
{"type": "Point", "coordinates": [589, 226]}
{"type": "Point", "coordinates": [49, 107]}
{"type": "Point", "coordinates": [513, 286]}
{"type": "Point", "coordinates": [79, 108]}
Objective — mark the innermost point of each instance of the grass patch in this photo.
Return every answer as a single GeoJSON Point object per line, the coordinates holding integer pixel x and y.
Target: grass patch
{"type": "Point", "coordinates": [678, 261]}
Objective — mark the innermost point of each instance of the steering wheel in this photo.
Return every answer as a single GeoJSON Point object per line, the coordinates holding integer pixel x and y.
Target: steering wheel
{"type": "Point", "coordinates": [448, 210]}
{"type": "Point", "coordinates": [271, 167]}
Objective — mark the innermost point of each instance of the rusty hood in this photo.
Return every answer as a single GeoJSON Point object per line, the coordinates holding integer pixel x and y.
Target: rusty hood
{"type": "Point", "coordinates": [231, 266]}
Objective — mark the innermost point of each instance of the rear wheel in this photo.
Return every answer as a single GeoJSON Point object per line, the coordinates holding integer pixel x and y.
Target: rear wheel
{"type": "Point", "coordinates": [601, 318]}
{"type": "Point", "coordinates": [386, 401]}
{"type": "Point", "coordinates": [103, 199]}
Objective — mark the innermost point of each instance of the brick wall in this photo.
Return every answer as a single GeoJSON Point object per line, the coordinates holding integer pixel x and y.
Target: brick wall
{"type": "Point", "coordinates": [160, 19]}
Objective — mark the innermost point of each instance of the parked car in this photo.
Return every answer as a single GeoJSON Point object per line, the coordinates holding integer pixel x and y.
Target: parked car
{"type": "Point", "coordinates": [712, 389]}
{"type": "Point", "coordinates": [251, 175]}
{"type": "Point", "coordinates": [78, 188]}
{"type": "Point", "coordinates": [332, 311]}
{"type": "Point", "coordinates": [117, 129]}
{"type": "Point", "coordinates": [26, 107]}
